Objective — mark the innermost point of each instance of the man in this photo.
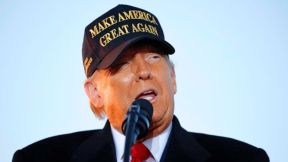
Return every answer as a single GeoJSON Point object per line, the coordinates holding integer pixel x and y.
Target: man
{"type": "Point", "coordinates": [126, 58]}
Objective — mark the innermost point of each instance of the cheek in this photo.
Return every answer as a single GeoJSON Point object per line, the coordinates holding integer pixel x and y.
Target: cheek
{"type": "Point", "coordinates": [120, 87]}
{"type": "Point", "coordinates": [167, 80]}
{"type": "Point", "coordinates": [117, 85]}
{"type": "Point", "coordinates": [168, 88]}
{"type": "Point", "coordinates": [117, 99]}
{"type": "Point", "coordinates": [115, 109]}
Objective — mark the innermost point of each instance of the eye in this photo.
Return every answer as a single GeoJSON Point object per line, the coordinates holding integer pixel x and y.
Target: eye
{"type": "Point", "coordinates": [115, 67]}
{"type": "Point", "coordinates": [153, 57]}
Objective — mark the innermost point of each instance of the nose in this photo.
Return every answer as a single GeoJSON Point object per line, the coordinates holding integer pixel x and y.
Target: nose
{"type": "Point", "coordinates": [143, 70]}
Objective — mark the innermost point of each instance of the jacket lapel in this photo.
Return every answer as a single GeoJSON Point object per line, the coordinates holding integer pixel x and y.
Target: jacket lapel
{"type": "Point", "coordinates": [182, 146]}
{"type": "Point", "coordinates": [99, 147]}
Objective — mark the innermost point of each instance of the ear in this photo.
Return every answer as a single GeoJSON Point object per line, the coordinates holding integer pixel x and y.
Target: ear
{"type": "Point", "coordinates": [173, 78]}
{"type": "Point", "coordinates": [93, 94]}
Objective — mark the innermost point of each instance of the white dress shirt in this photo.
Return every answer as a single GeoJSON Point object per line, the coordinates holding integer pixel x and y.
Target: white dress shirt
{"type": "Point", "coordinates": [156, 145]}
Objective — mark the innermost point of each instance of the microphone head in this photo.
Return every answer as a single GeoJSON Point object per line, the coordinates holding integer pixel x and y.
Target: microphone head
{"type": "Point", "coordinates": [145, 106]}
{"type": "Point", "coordinates": [144, 117]}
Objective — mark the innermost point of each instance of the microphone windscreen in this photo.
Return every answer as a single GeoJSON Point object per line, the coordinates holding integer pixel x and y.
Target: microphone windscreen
{"type": "Point", "coordinates": [140, 115]}
{"type": "Point", "coordinates": [145, 106]}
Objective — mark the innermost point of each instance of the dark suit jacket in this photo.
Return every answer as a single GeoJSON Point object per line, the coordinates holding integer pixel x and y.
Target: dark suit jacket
{"type": "Point", "coordinates": [98, 146]}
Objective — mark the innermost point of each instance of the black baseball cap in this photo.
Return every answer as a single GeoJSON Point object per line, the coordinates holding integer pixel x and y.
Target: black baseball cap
{"type": "Point", "coordinates": [110, 34]}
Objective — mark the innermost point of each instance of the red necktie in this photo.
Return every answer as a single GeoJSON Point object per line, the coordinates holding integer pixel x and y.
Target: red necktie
{"type": "Point", "coordinates": [139, 152]}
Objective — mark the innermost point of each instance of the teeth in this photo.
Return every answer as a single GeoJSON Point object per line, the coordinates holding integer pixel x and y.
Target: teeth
{"type": "Point", "coordinates": [147, 98]}
{"type": "Point", "coordinates": [147, 95]}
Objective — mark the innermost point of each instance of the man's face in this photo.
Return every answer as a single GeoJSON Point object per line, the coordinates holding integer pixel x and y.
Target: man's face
{"type": "Point", "coordinates": [140, 72]}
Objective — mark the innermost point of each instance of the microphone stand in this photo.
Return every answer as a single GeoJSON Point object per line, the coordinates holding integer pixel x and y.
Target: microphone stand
{"type": "Point", "coordinates": [132, 132]}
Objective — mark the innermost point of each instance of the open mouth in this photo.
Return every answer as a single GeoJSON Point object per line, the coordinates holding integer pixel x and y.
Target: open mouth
{"type": "Point", "coordinates": [149, 95]}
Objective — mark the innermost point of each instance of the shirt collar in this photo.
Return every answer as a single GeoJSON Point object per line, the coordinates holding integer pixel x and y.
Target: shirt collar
{"type": "Point", "coordinates": [156, 144]}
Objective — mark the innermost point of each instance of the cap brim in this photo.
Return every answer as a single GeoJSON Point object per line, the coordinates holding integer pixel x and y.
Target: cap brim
{"type": "Point", "coordinates": [117, 51]}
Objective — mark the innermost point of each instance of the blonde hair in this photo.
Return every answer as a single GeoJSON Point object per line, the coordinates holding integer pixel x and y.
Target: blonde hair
{"type": "Point", "coordinates": [99, 112]}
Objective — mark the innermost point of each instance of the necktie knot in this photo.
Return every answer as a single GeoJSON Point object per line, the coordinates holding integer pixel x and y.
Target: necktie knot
{"type": "Point", "coordinates": [139, 152]}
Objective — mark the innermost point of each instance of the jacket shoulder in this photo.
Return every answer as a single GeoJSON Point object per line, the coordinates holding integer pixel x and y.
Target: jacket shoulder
{"type": "Point", "coordinates": [57, 148]}
{"type": "Point", "coordinates": [228, 149]}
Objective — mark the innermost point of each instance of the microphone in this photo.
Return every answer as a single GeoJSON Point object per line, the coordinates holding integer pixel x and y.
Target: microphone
{"type": "Point", "coordinates": [136, 124]}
